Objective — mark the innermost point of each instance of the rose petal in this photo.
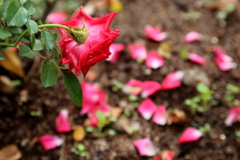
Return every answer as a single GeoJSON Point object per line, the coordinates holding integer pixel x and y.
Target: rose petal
{"type": "Point", "coordinates": [145, 147]}
{"type": "Point", "coordinates": [132, 87]}
{"type": "Point", "coordinates": [192, 36]}
{"type": "Point", "coordinates": [149, 88]}
{"type": "Point", "coordinates": [190, 135]}
{"type": "Point", "coordinates": [115, 49]}
{"type": "Point", "coordinates": [50, 142]}
{"type": "Point", "coordinates": [196, 58]}
{"type": "Point", "coordinates": [56, 18]}
{"type": "Point", "coordinates": [154, 33]}
{"type": "Point", "coordinates": [167, 155]}
{"type": "Point", "coordinates": [173, 80]}
{"type": "Point", "coordinates": [147, 108]}
{"type": "Point", "coordinates": [137, 51]}
{"type": "Point", "coordinates": [62, 123]}
{"type": "Point", "coordinates": [154, 60]}
{"type": "Point", "coordinates": [159, 116]}
{"type": "Point", "coordinates": [233, 116]}
{"type": "Point", "coordinates": [157, 158]}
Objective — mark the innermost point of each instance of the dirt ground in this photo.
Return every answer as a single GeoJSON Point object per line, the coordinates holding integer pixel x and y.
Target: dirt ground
{"type": "Point", "coordinates": [17, 126]}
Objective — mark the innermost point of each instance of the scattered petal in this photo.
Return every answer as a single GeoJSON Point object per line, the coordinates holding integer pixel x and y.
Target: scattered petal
{"type": "Point", "coordinates": [79, 133]}
{"type": "Point", "coordinates": [137, 51]}
{"type": "Point", "coordinates": [176, 116]}
{"type": "Point", "coordinates": [190, 135]}
{"type": "Point", "coordinates": [233, 116]}
{"type": "Point", "coordinates": [149, 88]}
{"type": "Point", "coordinates": [56, 18]}
{"type": "Point", "coordinates": [167, 155]}
{"type": "Point", "coordinates": [196, 58]}
{"type": "Point", "coordinates": [132, 87]}
{"type": "Point", "coordinates": [157, 158]}
{"type": "Point", "coordinates": [147, 108]}
{"type": "Point", "coordinates": [159, 116]}
{"type": "Point", "coordinates": [62, 123]}
{"type": "Point", "coordinates": [154, 60]}
{"type": "Point", "coordinates": [154, 33]}
{"type": "Point", "coordinates": [173, 80]}
{"type": "Point", "coordinates": [115, 49]}
{"type": "Point", "coordinates": [192, 37]}
{"type": "Point", "coordinates": [145, 147]}
{"type": "Point", "coordinates": [222, 60]}
{"type": "Point", "coordinates": [50, 142]}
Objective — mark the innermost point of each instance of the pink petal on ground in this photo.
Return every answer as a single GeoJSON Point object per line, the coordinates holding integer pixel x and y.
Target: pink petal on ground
{"type": "Point", "coordinates": [145, 147]}
{"type": "Point", "coordinates": [196, 58]}
{"type": "Point", "coordinates": [154, 33]}
{"type": "Point", "coordinates": [190, 135]}
{"type": "Point", "coordinates": [132, 87]}
{"type": "Point", "coordinates": [50, 142]}
{"type": "Point", "coordinates": [149, 88]}
{"type": "Point", "coordinates": [233, 116]}
{"type": "Point", "coordinates": [173, 80]}
{"type": "Point", "coordinates": [167, 155]}
{"type": "Point", "coordinates": [154, 60]}
{"type": "Point", "coordinates": [147, 108]}
{"type": "Point", "coordinates": [115, 49]}
{"type": "Point", "coordinates": [159, 115]}
{"type": "Point", "coordinates": [62, 123]}
{"type": "Point", "coordinates": [137, 51]}
{"type": "Point", "coordinates": [157, 158]}
{"type": "Point", "coordinates": [192, 36]}
{"type": "Point", "coordinates": [56, 18]}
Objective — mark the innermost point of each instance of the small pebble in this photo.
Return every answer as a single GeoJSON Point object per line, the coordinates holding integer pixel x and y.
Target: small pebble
{"type": "Point", "coordinates": [222, 137]}
{"type": "Point", "coordinates": [214, 40]}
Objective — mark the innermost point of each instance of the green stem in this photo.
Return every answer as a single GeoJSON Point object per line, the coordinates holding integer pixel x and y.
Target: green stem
{"type": "Point", "coordinates": [39, 55]}
{"type": "Point", "coordinates": [26, 31]}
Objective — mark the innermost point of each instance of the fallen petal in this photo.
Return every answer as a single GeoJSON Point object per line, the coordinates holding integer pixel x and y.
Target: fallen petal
{"type": "Point", "coordinates": [192, 36]}
{"type": "Point", "coordinates": [149, 88]}
{"type": "Point", "coordinates": [167, 155]}
{"type": "Point", "coordinates": [115, 49]}
{"type": "Point", "coordinates": [196, 58]}
{"type": "Point", "coordinates": [62, 123]}
{"type": "Point", "coordinates": [145, 147]}
{"type": "Point", "coordinates": [176, 116]}
{"type": "Point", "coordinates": [137, 51]}
{"type": "Point", "coordinates": [132, 87]}
{"type": "Point", "coordinates": [154, 33]}
{"type": "Point", "coordinates": [147, 108]}
{"type": "Point", "coordinates": [159, 116]}
{"type": "Point", "coordinates": [233, 116]}
{"type": "Point", "coordinates": [157, 158]}
{"type": "Point", "coordinates": [173, 80]}
{"type": "Point", "coordinates": [190, 135]}
{"type": "Point", "coordinates": [50, 142]}
{"type": "Point", "coordinates": [154, 60]}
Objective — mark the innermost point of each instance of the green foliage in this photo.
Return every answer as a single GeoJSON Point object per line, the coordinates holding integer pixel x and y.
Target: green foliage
{"type": "Point", "coordinates": [47, 40]}
{"type": "Point", "coordinates": [116, 85]}
{"type": "Point", "coordinates": [73, 87]}
{"type": "Point", "coordinates": [192, 16]}
{"type": "Point", "coordinates": [26, 51]}
{"type": "Point", "coordinates": [222, 15]}
{"type": "Point", "coordinates": [35, 113]}
{"type": "Point", "coordinates": [49, 73]}
{"type": "Point", "coordinates": [184, 54]}
{"type": "Point", "coordinates": [230, 93]}
{"type": "Point", "coordinates": [16, 82]}
{"type": "Point", "coordinates": [32, 26]}
{"type": "Point", "coordinates": [37, 45]}
{"type": "Point", "coordinates": [237, 133]}
{"type": "Point", "coordinates": [4, 34]}
{"type": "Point", "coordinates": [205, 128]}
{"type": "Point", "coordinates": [80, 150]}
{"type": "Point", "coordinates": [203, 101]}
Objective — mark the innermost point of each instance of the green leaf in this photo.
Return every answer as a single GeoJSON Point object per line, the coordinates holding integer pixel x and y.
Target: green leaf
{"type": "Point", "coordinates": [16, 15]}
{"type": "Point", "coordinates": [32, 26]}
{"type": "Point", "coordinates": [2, 57]}
{"type": "Point", "coordinates": [49, 73]}
{"type": "Point", "coordinates": [55, 55]}
{"type": "Point", "coordinates": [28, 5]}
{"type": "Point", "coordinates": [23, 1]}
{"type": "Point", "coordinates": [38, 45]}
{"type": "Point", "coordinates": [4, 34]}
{"type": "Point", "coordinates": [47, 40]}
{"type": "Point", "coordinates": [3, 9]}
{"type": "Point", "coordinates": [33, 40]}
{"type": "Point", "coordinates": [202, 88]}
{"type": "Point", "coordinates": [184, 54]}
{"type": "Point", "coordinates": [26, 51]}
{"type": "Point", "coordinates": [15, 30]}
{"type": "Point", "coordinates": [111, 132]}
{"type": "Point", "coordinates": [73, 87]}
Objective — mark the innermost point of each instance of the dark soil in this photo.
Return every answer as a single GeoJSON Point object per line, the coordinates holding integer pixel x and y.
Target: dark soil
{"type": "Point", "coordinates": [18, 127]}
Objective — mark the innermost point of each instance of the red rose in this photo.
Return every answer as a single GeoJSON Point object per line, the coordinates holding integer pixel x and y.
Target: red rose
{"type": "Point", "coordinates": [89, 41]}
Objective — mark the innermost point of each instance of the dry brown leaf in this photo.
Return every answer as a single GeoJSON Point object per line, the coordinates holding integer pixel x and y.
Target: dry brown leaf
{"type": "Point", "coordinates": [79, 133]}
{"type": "Point", "coordinates": [123, 124]}
{"type": "Point", "coordinates": [10, 152]}
{"type": "Point", "coordinates": [23, 96]}
{"type": "Point", "coordinates": [176, 116]}
{"type": "Point", "coordinates": [12, 62]}
{"type": "Point", "coordinates": [164, 50]}
{"type": "Point", "coordinates": [115, 112]}
{"type": "Point", "coordinates": [6, 85]}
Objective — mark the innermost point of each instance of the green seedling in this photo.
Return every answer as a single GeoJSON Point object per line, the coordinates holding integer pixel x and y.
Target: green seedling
{"type": "Point", "coordinates": [184, 54]}
{"type": "Point", "coordinates": [116, 85]}
{"type": "Point", "coordinates": [192, 16]}
{"type": "Point", "coordinates": [206, 128]}
{"type": "Point", "coordinates": [16, 82]}
{"type": "Point", "coordinates": [230, 93]}
{"type": "Point", "coordinates": [80, 150]}
{"type": "Point", "coordinates": [222, 15]}
{"type": "Point", "coordinates": [237, 133]}
{"type": "Point", "coordinates": [127, 113]}
{"type": "Point", "coordinates": [35, 113]}
{"type": "Point", "coordinates": [203, 101]}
